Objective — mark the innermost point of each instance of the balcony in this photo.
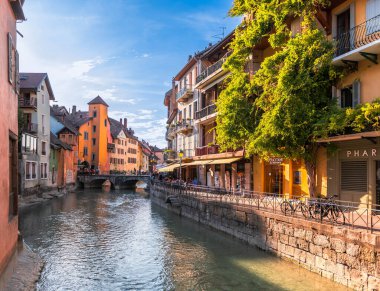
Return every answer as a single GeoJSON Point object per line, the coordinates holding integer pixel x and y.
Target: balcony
{"type": "Point", "coordinates": [207, 150]}
{"type": "Point", "coordinates": [170, 132]}
{"type": "Point", "coordinates": [359, 43]}
{"type": "Point", "coordinates": [212, 73]}
{"type": "Point", "coordinates": [170, 155]}
{"type": "Point", "coordinates": [185, 126]}
{"type": "Point", "coordinates": [184, 94]}
{"type": "Point", "coordinates": [207, 111]}
{"type": "Point", "coordinates": [28, 103]}
{"type": "Point", "coordinates": [31, 128]}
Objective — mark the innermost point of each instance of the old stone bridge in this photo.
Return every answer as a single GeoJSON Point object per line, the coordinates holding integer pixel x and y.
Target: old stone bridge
{"type": "Point", "coordinates": [117, 181]}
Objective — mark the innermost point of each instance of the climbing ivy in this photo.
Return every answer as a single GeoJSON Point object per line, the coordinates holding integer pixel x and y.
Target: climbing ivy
{"type": "Point", "coordinates": [286, 106]}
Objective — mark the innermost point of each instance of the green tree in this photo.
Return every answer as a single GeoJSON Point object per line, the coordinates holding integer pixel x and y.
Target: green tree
{"type": "Point", "coordinates": [286, 106]}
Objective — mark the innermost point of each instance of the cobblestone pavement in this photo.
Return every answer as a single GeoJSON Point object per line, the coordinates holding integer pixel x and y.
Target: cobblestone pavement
{"type": "Point", "coordinates": [23, 270]}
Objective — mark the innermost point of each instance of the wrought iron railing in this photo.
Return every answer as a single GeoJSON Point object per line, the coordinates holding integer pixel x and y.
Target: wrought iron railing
{"type": "Point", "coordinates": [358, 36]}
{"type": "Point", "coordinates": [205, 111]}
{"type": "Point", "coordinates": [31, 127]}
{"type": "Point", "coordinates": [354, 215]}
{"type": "Point", "coordinates": [212, 69]}
{"type": "Point", "coordinates": [185, 125]}
{"type": "Point", "coordinates": [28, 102]}
{"type": "Point", "coordinates": [185, 90]}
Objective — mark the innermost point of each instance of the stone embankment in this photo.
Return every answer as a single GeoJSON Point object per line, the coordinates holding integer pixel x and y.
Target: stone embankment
{"type": "Point", "coordinates": [349, 257]}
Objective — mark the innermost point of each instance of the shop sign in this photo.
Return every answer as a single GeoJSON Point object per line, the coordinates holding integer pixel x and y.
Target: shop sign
{"type": "Point", "coordinates": [366, 153]}
{"type": "Point", "coordinates": [275, 161]}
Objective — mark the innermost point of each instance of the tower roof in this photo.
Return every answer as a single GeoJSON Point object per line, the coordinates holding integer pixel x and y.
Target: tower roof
{"type": "Point", "coordinates": [98, 100]}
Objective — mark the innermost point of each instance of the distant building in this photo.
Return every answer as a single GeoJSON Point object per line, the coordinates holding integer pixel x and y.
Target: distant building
{"type": "Point", "coordinates": [35, 95]}
{"type": "Point", "coordinates": [10, 13]}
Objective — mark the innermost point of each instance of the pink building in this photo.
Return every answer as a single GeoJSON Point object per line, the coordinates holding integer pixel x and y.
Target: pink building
{"type": "Point", "coordinates": [10, 12]}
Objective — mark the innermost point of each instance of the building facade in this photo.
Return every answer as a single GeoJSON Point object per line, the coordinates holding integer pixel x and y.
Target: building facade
{"type": "Point", "coordinates": [10, 13]}
{"type": "Point", "coordinates": [34, 103]}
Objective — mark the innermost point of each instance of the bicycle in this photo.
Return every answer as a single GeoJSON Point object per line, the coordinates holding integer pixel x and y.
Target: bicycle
{"type": "Point", "coordinates": [329, 209]}
{"type": "Point", "coordinates": [292, 206]}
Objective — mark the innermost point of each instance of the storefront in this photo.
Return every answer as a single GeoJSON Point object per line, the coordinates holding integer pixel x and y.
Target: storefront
{"type": "Point", "coordinates": [354, 169]}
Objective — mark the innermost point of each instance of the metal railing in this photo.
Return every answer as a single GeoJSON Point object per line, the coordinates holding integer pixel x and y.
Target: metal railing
{"type": "Point", "coordinates": [358, 36]}
{"type": "Point", "coordinates": [185, 125]}
{"type": "Point", "coordinates": [355, 215]}
{"type": "Point", "coordinates": [185, 90]}
{"type": "Point", "coordinates": [31, 127]}
{"type": "Point", "coordinates": [212, 69]}
{"type": "Point", "coordinates": [28, 102]}
{"type": "Point", "coordinates": [211, 109]}
{"type": "Point", "coordinates": [207, 150]}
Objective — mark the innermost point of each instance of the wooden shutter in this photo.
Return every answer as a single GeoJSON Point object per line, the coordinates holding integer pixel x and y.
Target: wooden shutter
{"type": "Point", "coordinates": [17, 72]}
{"type": "Point", "coordinates": [355, 93]}
{"type": "Point", "coordinates": [354, 176]}
{"type": "Point", "coordinates": [10, 59]}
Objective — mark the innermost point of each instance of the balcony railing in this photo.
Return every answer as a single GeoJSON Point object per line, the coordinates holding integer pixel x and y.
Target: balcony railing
{"type": "Point", "coordinates": [213, 68]}
{"type": "Point", "coordinates": [28, 102]}
{"type": "Point", "coordinates": [358, 36]}
{"type": "Point", "coordinates": [31, 128]}
{"type": "Point", "coordinates": [207, 150]}
{"type": "Point", "coordinates": [205, 111]}
{"type": "Point", "coordinates": [185, 92]}
{"type": "Point", "coordinates": [185, 126]}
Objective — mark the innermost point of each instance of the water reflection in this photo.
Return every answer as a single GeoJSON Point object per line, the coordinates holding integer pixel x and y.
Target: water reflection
{"type": "Point", "coordinates": [119, 241]}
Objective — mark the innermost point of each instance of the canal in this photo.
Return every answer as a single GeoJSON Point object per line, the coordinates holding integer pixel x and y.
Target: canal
{"type": "Point", "coordinates": [121, 241]}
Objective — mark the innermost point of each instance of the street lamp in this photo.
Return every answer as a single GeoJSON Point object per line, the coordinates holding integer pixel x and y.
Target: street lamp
{"type": "Point", "coordinates": [180, 155]}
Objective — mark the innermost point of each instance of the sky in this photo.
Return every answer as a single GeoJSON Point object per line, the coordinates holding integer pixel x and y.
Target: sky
{"type": "Point", "coordinates": [126, 51]}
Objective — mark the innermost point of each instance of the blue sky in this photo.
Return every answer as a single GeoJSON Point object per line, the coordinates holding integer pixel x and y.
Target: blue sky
{"type": "Point", "coordinates": [126, 51]}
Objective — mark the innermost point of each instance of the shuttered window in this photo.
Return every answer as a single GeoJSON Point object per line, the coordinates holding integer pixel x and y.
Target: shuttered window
{"type": "Point", "coordinates": [10, 59]}
{"type": "Point", "coordinates": [354, 176]}
{"type": "Point", "coordinates": [356, 93]}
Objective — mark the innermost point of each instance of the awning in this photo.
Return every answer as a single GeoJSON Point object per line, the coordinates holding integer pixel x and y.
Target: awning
{"type": "Point", "coordinates": [355, 136]}
{"type": "Point", "coordinates": [169, 168]}
{"type": "Point", "coordinates": [224, 161]}
{"type": "Point", "coordinates": [197, 163]}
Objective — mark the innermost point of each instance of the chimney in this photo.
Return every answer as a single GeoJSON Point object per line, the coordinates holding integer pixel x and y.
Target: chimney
{"type": "Point", "coordinates": [125, 122]}
{"type": "Point", "coordinates": [121, 120]}
{"type": "Point", "coordinates": [74, 109]}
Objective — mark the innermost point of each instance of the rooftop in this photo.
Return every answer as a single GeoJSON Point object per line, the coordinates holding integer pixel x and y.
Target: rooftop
{"type": "Point", "coordinates": [98, 100]}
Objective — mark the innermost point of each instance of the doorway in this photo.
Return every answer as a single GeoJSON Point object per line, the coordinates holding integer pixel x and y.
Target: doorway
{"type": "Point", "coordinates": [274, 179]}
{"type": "Point", "coordinates": [343, 32]}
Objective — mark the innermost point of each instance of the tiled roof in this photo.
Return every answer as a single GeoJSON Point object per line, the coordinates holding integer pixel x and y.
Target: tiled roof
{"type": "Point", "coordinates": [116, 127]}
{"type": "Point", "coordinates": [55, 141]}
{"type": "Point", "coordinates": [79, 118]}
{"type": "Point", "coordinates": [98, 100]}
{"type": "Point", "coordinates": [32, 81]}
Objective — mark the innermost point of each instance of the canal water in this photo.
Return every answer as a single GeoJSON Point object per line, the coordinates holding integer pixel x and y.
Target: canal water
{"type": "Point", "coordinates": [121, 241]}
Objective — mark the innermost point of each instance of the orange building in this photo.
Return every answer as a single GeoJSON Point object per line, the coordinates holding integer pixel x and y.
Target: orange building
{"type": "Point", "coordinates": [94, 134]}
{"type": "Point", "coordinates": [10, 12]}
{"type": "Point", "coordinates": [119, 148]}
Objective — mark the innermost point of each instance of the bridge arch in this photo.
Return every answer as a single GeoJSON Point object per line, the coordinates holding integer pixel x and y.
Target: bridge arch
{"type": "Point", "coordinates": [97, 183]}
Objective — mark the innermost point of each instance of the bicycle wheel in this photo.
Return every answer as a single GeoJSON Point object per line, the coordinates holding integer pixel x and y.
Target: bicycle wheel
{"type": "Point", "coordinates": [338, 213]}
{"type": "Point", "coordinates": [286, 208]}
{"type": "Point", "coordinates": [305, 210]}
{"type": "Point", "coordinates": [315, 210]}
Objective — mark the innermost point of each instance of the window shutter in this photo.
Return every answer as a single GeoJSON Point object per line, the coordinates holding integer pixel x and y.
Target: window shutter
{"type": "Point", "coordinates": [17, 72]}
{"type": "Point", "coordinates": [338, 97]}
{"type": "Point", "coordinates": [354, 176]}
{"type": "Point", "coordinates": [10, 61]}
{"type": "Point", "coordinates": [356, 93]}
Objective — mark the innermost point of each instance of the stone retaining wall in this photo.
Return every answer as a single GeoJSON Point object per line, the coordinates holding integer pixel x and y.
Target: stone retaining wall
{"type": "Point", "coordinates": [349, 257]}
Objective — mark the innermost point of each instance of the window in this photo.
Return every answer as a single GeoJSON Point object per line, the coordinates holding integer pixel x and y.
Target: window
{"type": "Point", "coordinates": [43, 124]}
{"type": "Point", "coordinates": [195, 109]}
{"type": "Point", "coordinates": [30, 170]}
{"type": "Point", "coordinates": [43, 99]}
{"type": "Point", "coordinates": [93, 157]}
{"type": "Point", "coordinates": [354, 176]}
{"type": "Point", "coordinates": [94, 128]}
{"type": "Point", "coordinates": [297, 177]}
{"type": "Point", "coordinates": [43, 148]}
{"type": "Point", "coordinates": [94, 114]}
{"type": "Point", "coordinates": [42, 87]}
{"type": "Point", "coordinates": [85, 151]}
{"type": "Point", "coordinates": [105, 122]}
{"type": "Point", "coordinates": [372, 10]}
{"type": "Point", "coordinates": [94, 141]}
{"type": "Point", "coordinates": [43, 171]}
{"type": "Point", "coordinates": [85, 135]}
{"type": "Point", "coordinates": [13, 207]}
{"type": "Point", "coordinates": [190, 111]}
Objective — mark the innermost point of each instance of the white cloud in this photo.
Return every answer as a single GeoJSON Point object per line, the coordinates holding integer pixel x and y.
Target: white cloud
{"type": "Point", "coordinates": [108, 94]}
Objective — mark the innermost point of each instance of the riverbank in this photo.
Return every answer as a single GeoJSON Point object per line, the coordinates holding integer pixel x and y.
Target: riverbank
{"type": "Point", "coordinates": [45, 195]}
{"type": "Point", "coordinates": [23, 270]}
{"type": "Point", "coordinates": [346, 256]}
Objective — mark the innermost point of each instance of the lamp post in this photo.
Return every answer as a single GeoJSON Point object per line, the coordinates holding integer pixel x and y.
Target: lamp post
{"type": "Point", "coordinates": [180, 155]}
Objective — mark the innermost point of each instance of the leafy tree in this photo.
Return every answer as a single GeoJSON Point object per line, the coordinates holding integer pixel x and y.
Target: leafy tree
{"type": "Point", "coordinates": [286, 106]}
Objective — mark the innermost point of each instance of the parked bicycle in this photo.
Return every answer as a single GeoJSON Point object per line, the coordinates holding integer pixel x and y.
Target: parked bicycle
{"type": "Point", "coordinates": [291, 206]}
{"type": "Point", "coordinates": [327, 208]}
